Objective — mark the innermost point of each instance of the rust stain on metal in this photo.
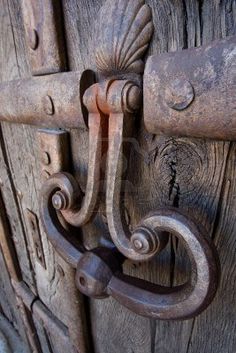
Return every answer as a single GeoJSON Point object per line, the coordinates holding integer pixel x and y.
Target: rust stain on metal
{"type": "Point", "coordinates": [54, 152]}
{"type": "Point", "coordinates": [179, 94]}
{"type": "Point", "coordinates": [211, 72]}
{"type": "Point", "coordinates": [48, 101]}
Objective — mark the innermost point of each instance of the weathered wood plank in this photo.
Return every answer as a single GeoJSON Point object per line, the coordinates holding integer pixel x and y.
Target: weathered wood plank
{"type": "Point", "coordinates": [197, 168]}
{"type": "Point", "coordinates": [10, 270]}
{"type": "Point", "coordinates": [214, 329]}
{"type": "Point", "coordinates": [55, 285]}
{"type": "Point", "coordinates": [9, 191]}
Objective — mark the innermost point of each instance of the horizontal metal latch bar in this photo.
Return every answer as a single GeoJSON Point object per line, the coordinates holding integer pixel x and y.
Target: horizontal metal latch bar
{"type": "Point", "coordinates": [52, 101]}
{"type": "Point", "coordinates": [192, 92]}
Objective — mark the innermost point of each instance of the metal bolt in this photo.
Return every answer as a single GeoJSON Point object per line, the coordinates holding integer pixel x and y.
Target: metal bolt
{"type": "Point", "coordinates": [179, 94]}
{"type": "Point", "coordinates": [48, 105]}
{"type": "Point", "coordinates": [144, 241]}
{"type": "Point", "coordinates": [138, 244]}
{"type": "Point", "coordinates": [59, 200]}
{"type": "Point", "coordinates": [45, 174]}
{"type": "Point", "coordinates": [45, 158]}
{"type": "Point", "coordinates": [33, 39]}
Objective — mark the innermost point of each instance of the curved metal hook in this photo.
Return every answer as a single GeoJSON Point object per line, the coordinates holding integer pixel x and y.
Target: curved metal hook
{"type": "Point", "coordinates": [97, 278]}
{"type": "Point", "coordinates": [61, 192]}
{"type": "Point", "coordinates": [145, 242]}
{"type": "Point", "coordinates": [56, 232]}
{"type": "Point", "coordinates": [181, 302]}
{"type": "Point", "coordinates": [81, 214]}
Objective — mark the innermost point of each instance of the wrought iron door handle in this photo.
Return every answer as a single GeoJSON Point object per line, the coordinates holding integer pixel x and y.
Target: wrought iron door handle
{"type": "Point", "coordinates": [112, 104]}
{"type": "Point", "coordinates": [99, 274]}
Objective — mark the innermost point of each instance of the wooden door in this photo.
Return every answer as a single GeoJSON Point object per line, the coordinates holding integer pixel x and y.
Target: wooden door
{"type": "Point", "coordinates": [193, 175]}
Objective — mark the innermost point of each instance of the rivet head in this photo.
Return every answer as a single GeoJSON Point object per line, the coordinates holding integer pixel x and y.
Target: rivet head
{"type": "Point", "coordinates": [179, 94]}
{"type": "Point", "coordinates": [144, 241]}
{"type": "Point", "coordinates": [48, 105]}
{"type": "Point", "coordinates": [132, 97]}
{"type": "Point", "coordinates": [138, 244]}
{"type": "Point", "coordinates": [45, 158]}
{"type": "Point", "coordinates": [45, 174]}
{"type": "Point", "coordinates": [59, 200]}
{"type": "Point", "coordinates": [33, 39]}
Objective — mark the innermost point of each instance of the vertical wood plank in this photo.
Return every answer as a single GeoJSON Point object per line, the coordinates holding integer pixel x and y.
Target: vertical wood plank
{"type": "Point", "coordinates": [55, 286]}
{"type": "Point", "coordinates": [9, 270]}
{"type": "Point", "coordinates": [214, 329]}
{"type": "Point", "coordinates": [9, 192]}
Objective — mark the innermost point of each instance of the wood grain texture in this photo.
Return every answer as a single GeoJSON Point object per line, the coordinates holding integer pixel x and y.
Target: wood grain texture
{"type": "Point", "coordinates": [9, 269]}
{"type": "Point", "coordinates": [214, 329]}
{"type": "Point", "coordinates": [9, 191]}
{"type": "Point", "coordinates": [197, 168]}
{"type": "Point", "coordinates": [20, 174]}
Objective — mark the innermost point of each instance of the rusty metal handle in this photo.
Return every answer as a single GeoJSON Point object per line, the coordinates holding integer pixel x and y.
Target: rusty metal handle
{"type": "Point", "coordinates": [96, 278]}
{"type": "Point", "coordinates": [54, 229]}
{"type": "Point", "coordinates": [144, 242]}
{"type": "Point", "coordinates": [114, 102]}
{"type": "Point", "coordinates": [99, 272]}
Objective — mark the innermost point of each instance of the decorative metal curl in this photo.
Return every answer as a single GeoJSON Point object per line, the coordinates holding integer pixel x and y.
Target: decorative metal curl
{"type": "Point", "coordinates": [65, 184]}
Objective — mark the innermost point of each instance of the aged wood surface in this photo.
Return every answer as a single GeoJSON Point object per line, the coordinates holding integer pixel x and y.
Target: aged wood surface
{"type": "Point", "coordinates": [20, 175]}
{"type": "Point", "coordinates": [8, 303]}
{"type": "Point", "coordinates": [194, 175]}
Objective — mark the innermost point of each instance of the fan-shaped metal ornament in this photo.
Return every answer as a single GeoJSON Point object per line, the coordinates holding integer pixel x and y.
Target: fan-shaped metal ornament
{"type": "Point", "coordinates": [124, 33]}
